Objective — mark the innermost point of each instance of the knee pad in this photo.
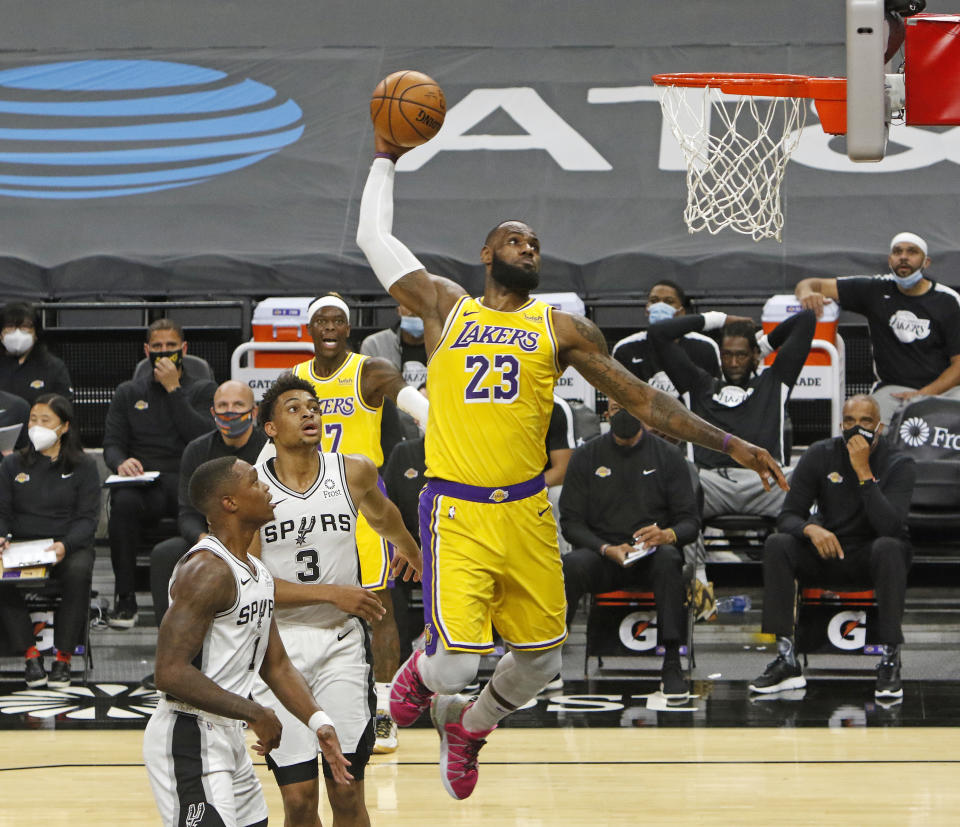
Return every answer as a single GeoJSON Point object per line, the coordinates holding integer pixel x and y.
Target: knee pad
{"type": "Point", "coordinates": [449, 672]}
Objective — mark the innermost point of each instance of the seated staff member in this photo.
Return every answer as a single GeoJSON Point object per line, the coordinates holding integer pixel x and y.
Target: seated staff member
{"type": "Point", "coordinates": [27, 368]}
{"type": "Point", "coordinates": [51, 488]}
{"type": "Point", "coordinates": [623, 488]}
{"type": "Point", "coordinates": [861, 489]}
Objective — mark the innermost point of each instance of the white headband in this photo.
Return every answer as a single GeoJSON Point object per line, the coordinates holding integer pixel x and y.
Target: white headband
{"type": "Point", "coordinates": [327, 301]}
{"type": "Point", "coordinates": [909, 238]}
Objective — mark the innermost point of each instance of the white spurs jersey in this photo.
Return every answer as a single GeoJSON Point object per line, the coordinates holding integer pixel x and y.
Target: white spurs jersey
{"type": "Point", "coordinates": [235, 643]}
{"type": "Point", "coordinates": [312, 538]}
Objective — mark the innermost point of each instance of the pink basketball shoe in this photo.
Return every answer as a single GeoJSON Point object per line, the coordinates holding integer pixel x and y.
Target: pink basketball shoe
{"type": "Point", "coordinates": [408, 694]}
{"type": "Point", "coordinates": [458, 747]}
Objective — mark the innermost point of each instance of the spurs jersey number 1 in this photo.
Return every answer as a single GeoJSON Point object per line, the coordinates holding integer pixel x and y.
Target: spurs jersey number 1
{"type": "Point", "coordinates": [312, 538]}
{"type": "Point", "coordinates": [235, 643]}
{"type": "Point", "coordinates": [348, 424]}
{"type": "Point", "coordinates": [491, 381]}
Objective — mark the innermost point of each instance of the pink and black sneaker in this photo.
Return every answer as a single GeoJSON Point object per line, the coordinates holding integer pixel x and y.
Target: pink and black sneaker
{"type": "Point", "coordinates": [458, 746]}
{"type": "Point", "coordinates": [408, 694]}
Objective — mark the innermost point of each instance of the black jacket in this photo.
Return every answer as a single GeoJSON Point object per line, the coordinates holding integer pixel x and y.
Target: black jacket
{"type": "Point", "coordinates": [609, 492]}
{"type": "Point", "coordinates": [42, 500]}
{"type": "Point", "coordinates": [146, 422]}
{"type": "Point", "coordinates": [41, 372]}
{"type": "Point", "coordinates": [855, 513]}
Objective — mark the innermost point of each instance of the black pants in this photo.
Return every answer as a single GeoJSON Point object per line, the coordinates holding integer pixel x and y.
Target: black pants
{"type": "Point", "coordinates": [132, 509]}
{"type": "Point", "coordinates": [74, 574]}
{"type": "Point", "coordinates": [585, 572]}
{"type": "Point", "coordinates": [883, 563]}
{"type": "Point", "coordinates": [163, 560]}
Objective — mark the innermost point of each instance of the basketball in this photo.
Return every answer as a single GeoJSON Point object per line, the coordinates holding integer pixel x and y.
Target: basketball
{"type": "Point", "coordinates": [407, 108]}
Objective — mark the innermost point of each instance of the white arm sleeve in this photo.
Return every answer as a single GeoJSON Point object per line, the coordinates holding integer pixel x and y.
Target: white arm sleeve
{"type": "Point", "coordinates": [411, 401]}
{"type": "Point", "coordinates": [389, 258]}
{"type": "Point", "coordinates": [714, 320]}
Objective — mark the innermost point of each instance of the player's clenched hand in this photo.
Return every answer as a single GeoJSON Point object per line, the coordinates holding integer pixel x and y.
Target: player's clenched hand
{"type": "Point", "coordinates": [330, 747]}
{"type": "Point", "coordinates": [355, 600]}
{"type": "Point", "coordinates": [407, 561]}
{"type": "Point", "coordinates": [267, 728]}
{"type": "Point", "coordinates": [759, 460]}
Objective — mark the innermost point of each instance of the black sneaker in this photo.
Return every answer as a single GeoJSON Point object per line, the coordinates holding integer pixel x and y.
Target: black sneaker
{"type": "Point", "coordinates": [555, 685]}
{"type": "Point", "coordinates": [148, 682]}
{"type": "Point", "coordinates": [673, 683]}
{"type": "Point", "coordinates": [124, 614]}
{"type": "Point", "coordinates": [34, 673]}
{"type": "Point", "coordinates": [59, 675]}
{"type": "Point", "coordinates": [888, 680]}
{"type": "Point", "coordinates": [779, 675]}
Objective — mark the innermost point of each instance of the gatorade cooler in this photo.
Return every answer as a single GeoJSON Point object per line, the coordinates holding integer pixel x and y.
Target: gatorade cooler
{"type": "Point", "coordinates": [281, 319]}
{"type": "Point", "coordinates": [779, 308]}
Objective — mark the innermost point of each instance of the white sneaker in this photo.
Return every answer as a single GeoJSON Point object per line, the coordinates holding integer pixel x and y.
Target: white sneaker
{"type": "Point", "coordinates": [386, 732]}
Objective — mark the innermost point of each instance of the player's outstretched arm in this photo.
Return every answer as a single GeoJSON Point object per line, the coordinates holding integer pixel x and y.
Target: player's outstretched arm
{"type": "Point", "coordinates": [384, 517]}
{"type": "Point", "coordinates": [582, 345]}
{"type": "Point", "coordinates": [279, 673]}
{"type": "Point", "coordinates": [399, 271]}
{"type": "Point", "coordinates": [379, 379]}
{"type": "Point", "coordinates": [203, 588]}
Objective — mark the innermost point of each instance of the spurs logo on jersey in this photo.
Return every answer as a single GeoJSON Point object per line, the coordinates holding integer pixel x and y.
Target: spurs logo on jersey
{"type": "Point", "coordinates": [232, 652]}
{"type": "Point", "coordinates": [312, 538]}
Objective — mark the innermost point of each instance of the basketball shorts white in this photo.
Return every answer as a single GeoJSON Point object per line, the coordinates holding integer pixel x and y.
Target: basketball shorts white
{"type": "Point", "coordinates": [200, 770]}
{"type": "Point", "coordinates": [337, 666]}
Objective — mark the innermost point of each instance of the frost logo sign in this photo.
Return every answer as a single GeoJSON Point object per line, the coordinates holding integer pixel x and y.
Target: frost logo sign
{"type": "Point", "coordinates": [107, 128]}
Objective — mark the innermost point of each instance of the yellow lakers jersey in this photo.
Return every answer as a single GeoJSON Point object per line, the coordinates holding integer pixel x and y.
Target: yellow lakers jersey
{"type": "Point", "coordinates": [490, 381]}
{"type": "Point", "coordinates": [349, 425]}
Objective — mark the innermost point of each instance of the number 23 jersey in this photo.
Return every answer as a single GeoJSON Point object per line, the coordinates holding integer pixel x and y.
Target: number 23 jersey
{"type": "Point", "coordinates": [312, 538]}
{"type": "Point", "coordinates": [491, 380]}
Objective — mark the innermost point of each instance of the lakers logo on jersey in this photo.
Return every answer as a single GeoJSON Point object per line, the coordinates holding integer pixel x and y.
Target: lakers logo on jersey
{"type": "Point", "coordinates": [492, 373]}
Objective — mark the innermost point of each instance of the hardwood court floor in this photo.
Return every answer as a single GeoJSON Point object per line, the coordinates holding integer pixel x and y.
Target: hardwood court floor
{"type": "Point", "coordinates": [550, 777]}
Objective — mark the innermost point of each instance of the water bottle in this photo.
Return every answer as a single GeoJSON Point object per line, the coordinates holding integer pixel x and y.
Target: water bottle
{"type": "Point", "coordinates": [735, 603]}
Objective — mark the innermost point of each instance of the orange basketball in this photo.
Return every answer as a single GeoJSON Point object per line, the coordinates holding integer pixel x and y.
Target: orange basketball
{"type": "Point", "coordinates": [407, 108]}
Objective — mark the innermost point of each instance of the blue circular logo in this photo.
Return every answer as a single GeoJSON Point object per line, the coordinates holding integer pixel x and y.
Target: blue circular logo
{"type": "Point", "coordinates": [107, 128]}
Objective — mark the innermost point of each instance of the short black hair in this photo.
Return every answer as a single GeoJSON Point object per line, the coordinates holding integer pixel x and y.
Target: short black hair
{"type": "Point", "coordinates": [488, 241]}
{"type": "Point", "coordinates": [746, 330]}
{"type": "Point", "coordinates": [16, 313]}
{"type": "Point", "coordinates": [681, 293]}
{"type": "Point", "coordinates": [285, 382]}
{"type": "Point", "coordinates": [208, 482]}
{"type": "Point", "coordinates": [165, 324]}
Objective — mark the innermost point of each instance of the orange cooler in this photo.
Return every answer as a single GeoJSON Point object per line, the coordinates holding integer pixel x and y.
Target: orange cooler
{"type": "Point", "coordinates": [783, 307]}
{"type": "Point", "coordinates": [281, 319]}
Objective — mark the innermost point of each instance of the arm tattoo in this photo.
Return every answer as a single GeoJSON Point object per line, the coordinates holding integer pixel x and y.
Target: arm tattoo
{"type": "Point", "coordinates": [589, 331]}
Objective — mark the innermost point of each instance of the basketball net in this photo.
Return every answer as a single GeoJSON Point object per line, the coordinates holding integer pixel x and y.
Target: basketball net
{"type": "Point", "coordinates": [736, 149]}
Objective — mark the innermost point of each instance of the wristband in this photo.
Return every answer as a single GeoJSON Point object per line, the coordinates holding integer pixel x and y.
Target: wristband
{"type": "Point", "coordinates": [319, 719]}
{"type": "Point", "coordinates": [726, 441]}
{"type": "Point", "coordinates": [603, 549]}
{"type": "Point", "coordinates": [388, 155]}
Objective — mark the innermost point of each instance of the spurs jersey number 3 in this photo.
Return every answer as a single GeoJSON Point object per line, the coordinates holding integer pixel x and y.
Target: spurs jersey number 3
{"type": "Point", "coordinates": [491, 381]}
{"type": "Point", "coordinates": [235, 643]}
{"type": "Point", "coordinates": [349, 425]}
{"type": "Point", "coordinates": [312, 538]}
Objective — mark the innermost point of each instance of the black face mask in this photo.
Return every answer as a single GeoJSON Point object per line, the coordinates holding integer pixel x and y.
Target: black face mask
{"type": "Point", "coordinates": [856, 430]}
{"type": "Point", "coordinates": [624, 424]}
{"type": "Point", "coordinates": [175, 356]}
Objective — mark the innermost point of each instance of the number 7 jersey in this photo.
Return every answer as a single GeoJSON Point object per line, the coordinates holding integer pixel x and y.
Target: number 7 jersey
{"type": "Point", "coordinates": [312, 538]}
{"type": "Point", "coordinates": [491, 380]}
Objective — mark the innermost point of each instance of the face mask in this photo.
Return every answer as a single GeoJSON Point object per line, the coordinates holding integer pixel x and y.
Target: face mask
{"type": "Point", "coordinates": [856, 430]}
{"type": "Point", "coordinates": [17, 342]}
{"type": "Point", "coordinates": [906, 282]}
{"type": "Point", "coordinates": [233, 425]}
{"type": "Point", "coordinates": [660, 312]}
{"type": "Point", "coordinates": [175, 356]}
{"type": "Point", "coordinates": [624, 424]}
{"type": "Point", "coordinates": [42, 438]}
{"type": "Point", "coordinates": [412, 325]}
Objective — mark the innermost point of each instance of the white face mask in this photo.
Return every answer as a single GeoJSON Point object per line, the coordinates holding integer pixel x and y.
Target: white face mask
{"type": "Point", "coordinates": [17, 342]}
{"type": "Point", "coordinates": [42, 438]}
